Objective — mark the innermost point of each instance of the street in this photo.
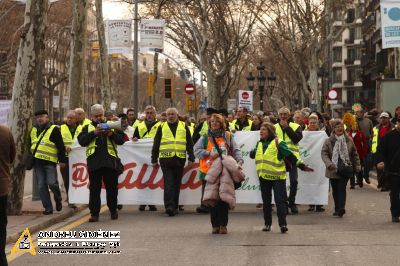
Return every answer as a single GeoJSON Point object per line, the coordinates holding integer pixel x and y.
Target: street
{"type": "Point", "coordinates": [364, 236]}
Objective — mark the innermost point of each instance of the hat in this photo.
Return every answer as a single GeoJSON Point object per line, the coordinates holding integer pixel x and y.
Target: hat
{"type": "Point", "coordinates": [41, 112]}
{"type": "Point", "coordinates": [223, 112]}
{"type": "Point", "coordinates": [211, 111]}
{"type": "Point", "coordinates": [384, 114]}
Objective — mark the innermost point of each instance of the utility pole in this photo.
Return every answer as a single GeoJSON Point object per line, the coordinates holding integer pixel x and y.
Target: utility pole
{"type": "Point", "coordinates": [135, 96]}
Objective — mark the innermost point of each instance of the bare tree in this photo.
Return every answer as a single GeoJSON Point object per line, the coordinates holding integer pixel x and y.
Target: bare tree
{"type": "Point", "coordinates": [32, 40]}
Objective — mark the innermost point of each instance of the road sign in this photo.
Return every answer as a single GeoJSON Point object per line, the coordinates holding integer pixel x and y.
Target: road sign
{"type": "Point", "coordinates": [332, 94]}
{"type": "Point", "coordinates": [202, 105]}
{"type": "Point", "coordinates": [332, 101]}
{"type": "Point", "coordinates": [189, 88]}
{"type": "Point", "coordinates": [246, 99]}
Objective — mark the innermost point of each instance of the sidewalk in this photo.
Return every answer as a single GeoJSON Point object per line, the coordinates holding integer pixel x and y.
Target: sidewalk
{"type": "Point", "coordinates": [33, 219]}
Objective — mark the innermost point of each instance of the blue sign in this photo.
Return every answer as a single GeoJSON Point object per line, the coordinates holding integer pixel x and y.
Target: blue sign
{"type": "Point", "coordinates": [202, 105]}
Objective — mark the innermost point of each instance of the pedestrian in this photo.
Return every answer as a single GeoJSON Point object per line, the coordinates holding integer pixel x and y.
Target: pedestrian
{"type": "Point", "coordinates": [171, 143]}
{"type": "Point", "coordinates": [298, 118]}
{"type": "Point", "coordinates": [132, 120]}
{"type": "Point", "coordinates": [47, 148]}
{"type": "Point", "coordinates": [257, 121]}
{"type": "Point", "coordinates": [206, 151]}
{"type": "Point", "coordinates": [270, 155]}
{"type": "Point", "coordinates": [7, 156]}
{"type": "Point", "coordinates": [360, 141]}
{"type": "Point", "coordinates": [314, 125]}
{"type": "Point", "coordinates": [101, 156]}
{"type": "Point", "coordinates": [388, 159]}
{"type": "Point", "coordinates": [339, 150]}
{"type": "Point", "coordinates": [242, 122]}
{"type": "Point", "coordinates": [396, 115]}
{"type": "Point", "coordinates": [378, 132]}
{"type": "Point", "coordinates": [147, 129]}
{"type": "Point", "coordinates": [291, 134]}
{"type": "Point", "coordinates": [81, 117]}
{"type": "Point", "coordinates": [69, 134]}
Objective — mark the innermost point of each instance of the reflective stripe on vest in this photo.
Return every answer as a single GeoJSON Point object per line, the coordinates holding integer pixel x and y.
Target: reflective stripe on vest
{"type": "Point", "coordinates": [67, 137]}
{"type": "Point", "coordinates": [207, 161]}
{"type": "Point", "coordinates": [46, 150]}
{"type": "Point", "coordinates": [294, 148]}
{"type": "Point", "coordinates": [204, 129]}
{"type": "Point", "coordinates": [247, 128]}
{"type": "Point", "coordinates": [170, 145]}
{"type": "Point", "coordinates": [267, 164]}
{"type": "Point", "coordinates": [91, 148]}
{"type": "Point", "coordinates": [144, 134]}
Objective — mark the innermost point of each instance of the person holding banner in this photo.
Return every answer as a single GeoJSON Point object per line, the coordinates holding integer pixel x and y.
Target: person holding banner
{"type": "Point", "coordinates": [171, 143]}
{"type": "Point", "coordinates": [270, 154]}
{"type": "Point", "coordinates": [205, 150]}
{"type": "Point", "coordinates": [101, 155]}
{"type": "Point", "coordinates": [341, 160]}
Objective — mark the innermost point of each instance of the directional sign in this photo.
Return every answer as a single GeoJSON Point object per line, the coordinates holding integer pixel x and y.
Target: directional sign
{"type": "Point", "coordinates": [189, 88]}
{"type": "Point", "coordinates": [332, 94]}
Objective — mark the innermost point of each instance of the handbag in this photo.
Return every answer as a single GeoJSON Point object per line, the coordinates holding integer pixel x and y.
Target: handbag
{"type": "Point", "coordinates": [237, 185]}
{"type": "Point", "coordinates": [30, 158]}
{"type": "Point", "coordinates": [118, 166]}
{"type": "Point", "coordinates": [343, 170]}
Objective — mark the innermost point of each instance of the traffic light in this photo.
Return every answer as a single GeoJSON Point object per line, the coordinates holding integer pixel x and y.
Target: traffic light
{"type": "Point", "coordinates": [168, 88]}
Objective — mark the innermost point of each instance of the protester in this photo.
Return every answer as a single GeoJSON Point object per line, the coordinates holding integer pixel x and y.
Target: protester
{"type": "Point", "coordinates": [257, 121]}
{"type": "Point", "coordinates": [360, 141]}
{"type": "Point", "coordinates": [339, 147]}
{"type": "Point", "coordinates": [388, 159]}
{"type": "Point", "coordinates": [7, 156]}
{"type": "Point", "coordinates": [47, 147]}
{"type": "Point", "coordinates": [128, 130]}
{"type": "Point", "coordinates": [298, 118]}
{"type": "Point", "coordinates": [269, 155]}
{"type": "Point", "coordinates": [132, 121]}
{"type": "Point", "coordinates": [81, 117]}
{"type": "Point", "coordinates": [242, 123]}
{"type": "Point", "coordinates": [396, 115]}
{"type": "Point", "coordinates": [101, 155]}
{"type": "Point", "coordinates": [69, 133]}
{"type": "Point", "coordinates": [171, 143]}
{"type": "Point", "coordinates": [205, 150]}
{"type": "Point", "coordinates": [291, 134]}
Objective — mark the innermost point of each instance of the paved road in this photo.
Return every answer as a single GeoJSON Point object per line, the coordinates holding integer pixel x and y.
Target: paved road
{"type": "Point", "coordinates": [365, 236]}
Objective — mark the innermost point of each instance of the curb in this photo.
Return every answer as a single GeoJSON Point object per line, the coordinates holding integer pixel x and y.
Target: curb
{"type": "Point", "coordinates": [43, 222]}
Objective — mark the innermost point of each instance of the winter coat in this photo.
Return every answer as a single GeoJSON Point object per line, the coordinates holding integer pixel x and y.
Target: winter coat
{"type": "Point", "coordinates": [360, 142]}
{"type": "Point", "coordinates": [327, 151]}
{"type": "Point", "coordinates": [220, 181]}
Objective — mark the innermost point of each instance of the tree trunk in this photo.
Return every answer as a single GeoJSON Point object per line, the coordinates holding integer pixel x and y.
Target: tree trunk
{"type": "Point", "coordinates": [104, 74]}
{"type": "Point", "coordinates": [313, 79]}
{"type": "Point", "coordinates": [32, 39]}
{"type": "Point", "coordinates": [214, 88]}
{"type": "Point", "coordinates": [155, 78]}
{"type": "Point", "coordinates": [78, 53]}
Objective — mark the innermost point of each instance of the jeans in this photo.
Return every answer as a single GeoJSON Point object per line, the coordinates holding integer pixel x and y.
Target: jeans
{"type": "Point", "coordinates": [47, 178]}
{"type": "Point", "coordinates": [219, 214]}
{"type": "Point", "coordinates": [339, 192]}
{"type": "Point", "coordinates": [394, 195]}
{"type": "Point", "coordinates": [3, 230]}
{"type": "Point", "coordinates": [279, 187]}
{"type": "Point", "coordinates": [110, 178]}
{"type": "Point", "coordinates": [293, 176]}
{"type": "Point", "coordinates": [65, 176]}
{"type": "Point", "coordinates": [172, 186]}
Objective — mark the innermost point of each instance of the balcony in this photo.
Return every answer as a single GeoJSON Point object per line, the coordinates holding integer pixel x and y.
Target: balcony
{"type": "Point", "coordinates": [368, 23]}
{"type": "Point", "coordinates": [377, 36]}
{"type": "Point", "coordinates": [349, 41]}
{"type": "Point", "coordinates": [349, 61]}
{"type": "Point", "coordinates": [348, 83]}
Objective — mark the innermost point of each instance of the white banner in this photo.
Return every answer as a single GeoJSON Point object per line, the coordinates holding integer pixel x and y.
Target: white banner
{"type": "Point", "coordinates": [5, 108]}
{"type": "Point", "coordinates": [246, 99]}
{"type": "Point", "coordinates": [152, 35]}
{"type": "Point", "coordinates": [119, 36]}
{"type": "Point", "coordinates": [142, 184]}
{"type": "Point", "coordinates": [390, 23]}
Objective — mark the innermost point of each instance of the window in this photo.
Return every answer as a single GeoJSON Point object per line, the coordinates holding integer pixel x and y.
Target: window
{"type": "Point", "coordinates": [3, 85]}
{"type": "Point", "coordinates": [350, 15]}
{"type": "Point", "coordinates": [352, 33]}
{"type": "Point", "coordinates": [351, 53]}
{"type": "Point", "coordinates": [337, 75]}
{"type": "Point", "coordinates": [358, 33]}
{"type": "Point", "coordinates": [351, 74]}
{"type": "Point", "coordinates": [337, 54]}
{"type": "Point", "coordinates": [358, 53]}
{"type": "Point", "coordinates": [351, 96]}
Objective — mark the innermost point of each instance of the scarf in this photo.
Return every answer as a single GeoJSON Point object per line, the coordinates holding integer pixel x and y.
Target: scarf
{"type": "Point", "coordinates": [340, 151]}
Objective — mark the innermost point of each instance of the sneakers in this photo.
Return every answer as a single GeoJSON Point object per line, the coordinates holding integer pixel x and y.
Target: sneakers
{"type": "Point", "coordinates": [93, 219]}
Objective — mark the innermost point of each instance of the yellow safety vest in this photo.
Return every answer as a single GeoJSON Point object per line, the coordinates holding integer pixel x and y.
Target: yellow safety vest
{"type": "Point", "coordinates": [144, 134]}
{"type": "Point", "coordinates": [248, 128]}
{"type": "Point", "coordinates": [67, 137]}
{"type": "Point", "coordinates": [231, 126]}
{"type": "Point", "coordinates": [267, 164]}
{"type": "Point", "coordinates": [47, 150]}
{"type": "Point", "coordinates": [191, 128]}
{"type": "Point", "coordinates": [135, 124]}
{"type": "Point", "coordinates": [204, 129]}
{"type": "Point", "coordinates": [80, 126]}
{"type": "Point", "coordinates": [90, 149]}
{"type": "Point", "coordinates": [294, 148]}
{"type": "Point", "coordinates": [170, 145]}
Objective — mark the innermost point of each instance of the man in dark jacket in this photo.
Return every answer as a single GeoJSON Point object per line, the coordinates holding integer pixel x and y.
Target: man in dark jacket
{"type": "Point", "coordinates": [388, 158]}
{"type": "Point", "coordinates": [7, 155]}
{"type": "Point", "coordinates": [243, 123]}
{"type": "Point", "coordinates": [101, 153]}
{"type": "Point", "coordinates": [171, 143]}
{"type": "Point", "coordinates": [48, 147]}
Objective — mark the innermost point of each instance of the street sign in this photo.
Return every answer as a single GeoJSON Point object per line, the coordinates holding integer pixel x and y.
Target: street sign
{"type": "Point", "coordinates": [232, 104]}
{"type": "Point", "coordinates": [332, 101]}
{"type": "Point", "coordinates": [246, 99]}
{"type": "Point", "coordinates": [202, 105]}
{"type": "Point", "coordinates": [332, 94]}
{"type": "Point", "coordinates": [189, 88]}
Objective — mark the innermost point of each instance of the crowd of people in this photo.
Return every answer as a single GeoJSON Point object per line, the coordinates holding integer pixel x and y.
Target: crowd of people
{"type": "Point", "coordinates": [356, 143]}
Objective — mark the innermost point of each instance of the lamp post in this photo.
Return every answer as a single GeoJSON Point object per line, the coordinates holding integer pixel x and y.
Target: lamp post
{"type": "Point", "coordinates": [261, 83]}
{"type": "Point", "coordinates": [250, 81]}
{"type": "Point", "coordinates": [271, 83]}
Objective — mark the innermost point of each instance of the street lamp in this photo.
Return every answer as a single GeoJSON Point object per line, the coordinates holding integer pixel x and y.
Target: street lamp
{"type": "Point", "coordinates": [271, 83]}
{"type": "Point", "coordinates": [250, 81]}
{"type": "Point", "coordinates": [261, 82]}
